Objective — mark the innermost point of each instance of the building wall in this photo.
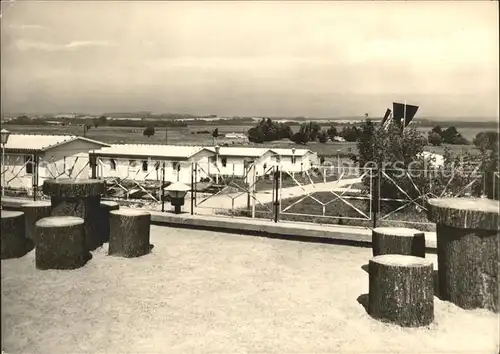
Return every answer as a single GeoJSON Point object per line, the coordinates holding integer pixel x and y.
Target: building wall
{"type": "Point", "coordinates": [70, 160]}
{"type": "Point", "coordinates": [147, 169]}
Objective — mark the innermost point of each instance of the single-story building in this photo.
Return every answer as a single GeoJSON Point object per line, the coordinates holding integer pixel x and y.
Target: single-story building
{"type": "Point", "coordinates": [32, 158]}
{"type": "Point", "coordinates": [295, 160]}
{"type": "Point", "coordinates": [143, 162]}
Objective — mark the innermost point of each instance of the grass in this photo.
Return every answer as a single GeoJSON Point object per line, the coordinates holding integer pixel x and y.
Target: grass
{"type": "Point", "coordinates": [201, 291]}
{"type": "Point", "coordinates": [307, 209]}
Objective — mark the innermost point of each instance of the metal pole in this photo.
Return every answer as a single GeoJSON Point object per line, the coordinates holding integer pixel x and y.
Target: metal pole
{"type": "Point", "coordinates": [163, 189]}
{"type": "Point", "coordinates": [338, 163]}
{"type": "Point", "coordinates": [3, 170]}
{"type": "Point", "coordinates": [35, 177]}
{"type": "Point", "coordinates": [277, 178]}
{"type": "Point", "coordinates": [192, 187]}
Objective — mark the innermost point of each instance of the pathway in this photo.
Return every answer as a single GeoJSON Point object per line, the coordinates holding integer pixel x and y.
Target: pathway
{"type": "Point", "coordinates": [228, 201]}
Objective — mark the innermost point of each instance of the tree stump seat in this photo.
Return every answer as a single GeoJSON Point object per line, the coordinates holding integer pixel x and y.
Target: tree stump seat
{"type": "Point", "coordinates": [33, 212]}
{"type": "Point", "coordinates": [80, 198]}
{"type": "Point", "coordinates": [398, 240]}
{"type": "Point", "coordinates": [61, 243]}
{"type": "Point", "coordinates": [14, 243]}
{"type": "Point", "coordinates": [468, 237]}
{"type": "Point", "coordinates": [401, 290]}
{"type": "Point", "coordinates": [129, 232]}
{"type": "Point", "coordinates": [106, 206]}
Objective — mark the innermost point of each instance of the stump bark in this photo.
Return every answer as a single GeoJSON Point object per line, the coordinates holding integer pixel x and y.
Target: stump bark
{"type": "Point", "coordinates": [106, 206]}
{"type": "Point", "coordinates": [401, 290]}
{"type": "Point", "coordinates": [80, 198]}
{"type": "Point", "coordinates": [468, 250]}
{"type": "Point", "coordinates": [61, 243]}
{"type": "Point", "coordinates": [14, 243]}
{"type": "Point", "coordinates": [398, 240]}
{"type": "Point", "coordinates": [33, 212]}
{"type": "Point", "coordinates": [129, 233]}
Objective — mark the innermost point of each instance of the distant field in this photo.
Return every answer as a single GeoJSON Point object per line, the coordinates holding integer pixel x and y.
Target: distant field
{"type": "Point", "coordinates": [187, 136]}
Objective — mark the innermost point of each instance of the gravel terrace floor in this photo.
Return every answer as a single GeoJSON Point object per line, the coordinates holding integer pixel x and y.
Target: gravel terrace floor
{"type": "Point", "coordinates": [201, 291]}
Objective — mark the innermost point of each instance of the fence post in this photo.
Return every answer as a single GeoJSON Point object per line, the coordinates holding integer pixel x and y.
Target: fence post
{"type": "Point", "coordinates": [375, 192]}
{"type": "Point", "coordinates": [93, 165]}
{"type": "Point", "coordinates": [163, 188]}
{"type": "Point", "coordinates": [35, 177]}
{"type": "Point", "coordinates": [193, 187]}
{"type": "Point", "coordinates": [277, 178]}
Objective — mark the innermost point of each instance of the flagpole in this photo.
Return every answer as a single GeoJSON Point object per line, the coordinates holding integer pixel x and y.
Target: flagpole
{"type": "Point", "coordinates": [404, 117]}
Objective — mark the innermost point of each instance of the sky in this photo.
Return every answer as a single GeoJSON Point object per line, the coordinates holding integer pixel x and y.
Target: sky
{"type": "Point", "coordinates": [312, 59]}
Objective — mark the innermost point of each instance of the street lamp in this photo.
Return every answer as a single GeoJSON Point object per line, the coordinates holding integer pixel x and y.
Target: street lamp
{"type": "Point", "coordinates": [293, 161]}
{"type": "Point", "coordinates": [217, 150]}
{"type": "Point", "coordinates": [4, 138]}
{"type": "Point", "coordinates": [177, 192]}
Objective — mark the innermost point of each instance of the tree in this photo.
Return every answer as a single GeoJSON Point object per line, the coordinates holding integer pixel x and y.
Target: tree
{"type": "Point", "coordinates": [96, 123]}
{"type": "Point", "coordinates": [434, 138]}
{"type": "Point", "coordinates": [487, 140]}
{"type": "Point", "coordinates": [437, 129]}
{"type": "Point", "coordinates": [215, 133]}
{"type": "Point", "coordinates": [332, 132]}
{"type": "Point", "coordinates": [300, 138]}
{"type": "Point", "coordinates": [256, 135]}
{"type": "Point", "coordinates": [149, 131]}
{"type": "Point", "coordinates": [102, 120]}
{"type": "Point", "coordinates": [350, 134]}
{"type": "Point", "coordinates": [267, 130]}
{"type": "Point", "coordinates": [451, 136]}
{"type": "Point", "coordinates": [310, 130]}
{"type": "Point", "coordinates": [322, 137]}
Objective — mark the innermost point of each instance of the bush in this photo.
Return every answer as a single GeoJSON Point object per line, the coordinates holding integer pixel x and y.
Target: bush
{"type": "Point", "coordinates": [267, 130]}
{"type": "Point", "coordinates": [434, 138]}
{"type": "Point", "coordinates": [300, 138]}
{"type": "Point", "coordinates": [486, 140]}
{"type": "Point", "coordinates": [350, 134]}
{"type": "Point", "coordinates": [149, 131]}
{"type": "Point", "coordinates": [322, 137]}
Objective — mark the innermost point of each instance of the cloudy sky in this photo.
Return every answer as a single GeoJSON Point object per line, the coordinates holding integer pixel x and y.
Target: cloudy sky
{"type": "Point", "coordinates": [316, 59]}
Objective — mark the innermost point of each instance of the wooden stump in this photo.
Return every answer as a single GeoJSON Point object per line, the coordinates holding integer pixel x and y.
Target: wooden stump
{"type": "Point", "coordinates": [106, 206]}
{"type": "Point", "coordinates": [467, 247]}
{"type": "Point", "coordinates": [401, 290]}
{"type": "Point", "coordinates": [129, 233]}
{"type": "Point", "coordinates": [79, 198]}
{"type": "Point", "coordinates": [398, 240]}
{"type": "Point", "coordinates": [33, 212]}
{"type": "Point", "coordinates": [14, 243]}
{"type": "Point", "coordinates": [61, 243]}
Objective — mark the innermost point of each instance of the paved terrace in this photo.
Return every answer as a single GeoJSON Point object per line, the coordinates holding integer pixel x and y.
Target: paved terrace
{"type": "Point", "coordinates": [204, 291]}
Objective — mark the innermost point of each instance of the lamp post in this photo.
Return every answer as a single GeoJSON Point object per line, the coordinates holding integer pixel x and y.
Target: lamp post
{"type": "Point", "coordinates": [293, 158]}
{"type": "Point", "coordinates": [4, 138]}
{"type": "Point", "coordinates": [217, 150]}
{"type": "Point", "coordinates": [177, 192]}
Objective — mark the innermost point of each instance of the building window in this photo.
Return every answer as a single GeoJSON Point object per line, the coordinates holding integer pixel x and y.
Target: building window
{"type": "Point", "coordinates": [175, 166]}
{"type": "Point", "coordinates": [112, 163]}
{"type": "Point", "coordinates": [144, 166]}
{"type": "Point", "coordinates": [28, 160]}
{"type": "Point", "coordinates": [294, 159]}
{"type": "Point", "coordinates": [278, 158]}
{"type": "Point", "coordinates": [212, 159]}
{"type": "Point", "coordinates": [224, 161]}
{"type": "Point", "coordinates": [157, 165]}
{"type": "Point", "coordinates": [132, 163]}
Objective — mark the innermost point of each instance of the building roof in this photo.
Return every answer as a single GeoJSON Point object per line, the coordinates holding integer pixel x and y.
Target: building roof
{"type": "Point", "coordinates": [290, 152]}
{"type": "Point", "coordinates": [41, 142]}
{"type": "Point", "coordinates": [150, 150]}
{"type": "Point", "coordinates": [240, 151]}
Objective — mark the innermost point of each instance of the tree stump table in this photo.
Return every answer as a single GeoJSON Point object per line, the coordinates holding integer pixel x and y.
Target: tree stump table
{"type": "Point", "coordinates": [33, 212]}
{"type": "Point", "coordinates": [61, 243]}
{"type": "Point", "coordinates": [398, 240]}
{"type": "Point", "coordinates": [14, 243]}
{"type": "Point", "coordinates": [129, 233]}
{"type": "Point", "coordinates": [106, 206]}
{"type": "Point", "coordinates": [79, 198]}
{"type": "Point", "coordinates": [401, 290]}
{"type": "Point", "coordinates": [467, 248]}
